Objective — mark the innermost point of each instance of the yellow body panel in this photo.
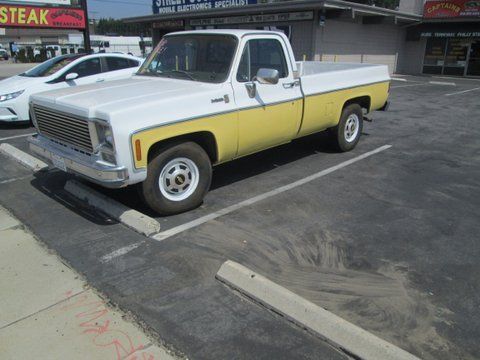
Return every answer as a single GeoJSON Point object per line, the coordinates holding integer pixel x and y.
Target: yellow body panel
{"type": "Point", "coordinates": [224, 127]}
{"type": "Point", "coordinates": [240, 133]}
{"type": "Point", "coordinates": [323, 111]}
{"type": "Point", "coordinates": [267, 126]}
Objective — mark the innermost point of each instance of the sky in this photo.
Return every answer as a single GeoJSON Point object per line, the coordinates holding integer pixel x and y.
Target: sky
{"type": "Point", "coordinates": [118, 8]}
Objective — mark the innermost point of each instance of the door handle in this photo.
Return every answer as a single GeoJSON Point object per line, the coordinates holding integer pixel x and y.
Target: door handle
{"type": "Point", "coordinates": [100, 80]}
{"type": "Point", "coordinates": [291, 84]}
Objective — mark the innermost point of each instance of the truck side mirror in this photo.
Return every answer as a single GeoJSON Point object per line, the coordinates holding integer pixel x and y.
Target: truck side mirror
{"type": "Point", "coordinates": [71, 76]}
{"type": "Point", "coordinates": [267, 76]}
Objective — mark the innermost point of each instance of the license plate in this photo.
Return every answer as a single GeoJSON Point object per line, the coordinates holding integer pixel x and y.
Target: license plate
{"type": "Point", "coordinates": [59, 162]}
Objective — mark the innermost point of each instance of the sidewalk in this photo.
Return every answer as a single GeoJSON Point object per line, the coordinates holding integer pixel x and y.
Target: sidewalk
{"type": "Point", "coordinates": [48, 312]}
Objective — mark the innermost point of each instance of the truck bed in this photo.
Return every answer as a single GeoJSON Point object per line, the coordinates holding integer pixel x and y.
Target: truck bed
{"type": "Point", "coordinates": [319, 77]}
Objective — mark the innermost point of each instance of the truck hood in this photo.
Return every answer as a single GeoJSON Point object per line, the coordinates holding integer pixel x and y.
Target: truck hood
{"type": "Point", "coordinates": [107, 99]}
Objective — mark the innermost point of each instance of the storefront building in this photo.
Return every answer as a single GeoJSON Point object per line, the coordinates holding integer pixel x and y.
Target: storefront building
{"type": "Point", "coordinates": [328, 30]}
{"type": "Point", "coordinates": [448, 38]}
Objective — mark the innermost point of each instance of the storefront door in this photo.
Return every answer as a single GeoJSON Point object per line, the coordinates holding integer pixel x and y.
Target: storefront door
{"type": "Point", "coordinates": [473, 68]}
{"type": "Point", "coordinates": [456, 57]}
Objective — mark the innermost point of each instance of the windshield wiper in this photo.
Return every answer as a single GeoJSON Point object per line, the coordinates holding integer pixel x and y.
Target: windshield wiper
{"type": "Point", "coordinates": [190, 76]}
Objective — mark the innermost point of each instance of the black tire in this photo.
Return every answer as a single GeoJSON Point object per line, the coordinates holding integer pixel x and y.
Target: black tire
{"type": "Point", "coordinates": [338, 134]}
{"type": "Point", "coordinates": [168, 156]}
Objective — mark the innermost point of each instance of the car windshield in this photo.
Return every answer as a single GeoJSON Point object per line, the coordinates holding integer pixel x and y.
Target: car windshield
{"type": "Point", "coordinates": [51, 66]}
{"type": "Point", "coordinates": [205, 58]}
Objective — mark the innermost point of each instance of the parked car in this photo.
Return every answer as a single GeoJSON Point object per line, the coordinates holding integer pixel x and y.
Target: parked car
{"type": "Point", "coordinates": [202, 98]}
{"type": "Point", "coordinates": [4, 54]}
{"type": "Point", "coordinates": [64, 71]}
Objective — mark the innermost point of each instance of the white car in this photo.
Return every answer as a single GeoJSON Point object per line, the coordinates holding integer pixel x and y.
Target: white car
{"type": "Point", "coordinates": [61, 72]}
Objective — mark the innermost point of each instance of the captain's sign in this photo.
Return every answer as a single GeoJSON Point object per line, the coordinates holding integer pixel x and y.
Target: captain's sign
{"type": "Point", "coordinates": [174, 6]}
{"type": "Point", "coordinates": [44, 17]}
{"type": "Point", "coordinates": [451, 8]}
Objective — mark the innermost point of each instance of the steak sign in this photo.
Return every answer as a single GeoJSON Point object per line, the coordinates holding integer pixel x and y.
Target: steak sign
{"type": "Point", "coordinates": [451, 8]}
{"type": "Point", "coordinates": [44, 17]}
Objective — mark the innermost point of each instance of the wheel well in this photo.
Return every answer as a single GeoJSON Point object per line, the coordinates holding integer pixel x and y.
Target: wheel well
{"type": "Point", "coordinates": [205, 139]}
{"type": "Point", "coordinates": [363, 101]}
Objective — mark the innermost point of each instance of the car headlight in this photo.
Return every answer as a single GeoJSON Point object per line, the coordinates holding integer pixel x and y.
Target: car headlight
{"type": "Point", "coordinates": [11, 95]}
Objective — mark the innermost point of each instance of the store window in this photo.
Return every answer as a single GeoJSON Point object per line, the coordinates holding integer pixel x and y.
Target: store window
{"type": "Point", "coordinates": [434, 56]}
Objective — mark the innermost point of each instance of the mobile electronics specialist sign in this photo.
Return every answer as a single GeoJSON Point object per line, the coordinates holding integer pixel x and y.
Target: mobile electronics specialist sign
{"type": "Point", "coordinates": [451, 9]}
{"type": "Point", "coordinates": [41, 17]}
{"type": "Point", "coordinates": [176, 6]}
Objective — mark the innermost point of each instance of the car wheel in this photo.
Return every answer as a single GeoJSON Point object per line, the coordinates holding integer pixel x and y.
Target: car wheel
{"type": "Point", "coordinates": [178, 178]}
{"type": "Point", "coordinates": [347, 133]}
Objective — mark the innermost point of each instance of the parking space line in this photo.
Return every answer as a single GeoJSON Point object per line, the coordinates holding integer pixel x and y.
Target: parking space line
{"type": "Point", "coordinates": [15, 179]}
{"type": "Point", "coordinates": [16, 137]}
{"type": "Point", "coordinates": [462, 92]}
{"type": "Point", "coordinates": [403, 86]}
{"type": "Point", "coordinates": [447, 83]}
{"type": "Point", "coordinates": [194, 223]}
{"type": "Point", "coordinates": [335, 330]}
{"type": "Point", "coordinates": [119, 252]}
{"type": "Point", "coordinates": [22, 157]}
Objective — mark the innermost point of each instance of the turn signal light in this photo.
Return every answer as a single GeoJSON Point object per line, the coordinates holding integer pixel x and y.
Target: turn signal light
{"type": "Point", "coordinates": [138, 150]}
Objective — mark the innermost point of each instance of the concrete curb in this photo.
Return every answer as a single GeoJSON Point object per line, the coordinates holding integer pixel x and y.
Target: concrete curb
{"type": "Point", "coordinates": [335, 330]}
{"type": "Point", "coordinates": [398, 79]}
{"type": "Point", "coordinates": [22, 157]}
{"type": "Point", "coordinates": [135, 220]}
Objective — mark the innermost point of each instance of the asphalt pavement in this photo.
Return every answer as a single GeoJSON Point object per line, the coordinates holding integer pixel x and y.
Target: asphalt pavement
{"type": "Point", "coordinates": [389, 243]}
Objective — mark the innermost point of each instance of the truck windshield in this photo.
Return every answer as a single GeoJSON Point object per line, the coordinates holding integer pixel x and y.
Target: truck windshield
{"type": "Point", "coordinates": [205, 58]}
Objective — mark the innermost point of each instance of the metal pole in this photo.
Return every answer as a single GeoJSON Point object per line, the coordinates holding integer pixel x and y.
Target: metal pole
{"type": "Point", "coordinates": [86, 31]}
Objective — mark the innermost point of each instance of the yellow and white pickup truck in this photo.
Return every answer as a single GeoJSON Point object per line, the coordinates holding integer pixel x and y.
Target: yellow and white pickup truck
{"type": "Point", "coordinates": [201, 98]}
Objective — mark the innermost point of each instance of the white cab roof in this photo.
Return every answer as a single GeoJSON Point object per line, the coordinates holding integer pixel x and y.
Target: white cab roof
{"type": "Point", "coordinates": [235, 32]}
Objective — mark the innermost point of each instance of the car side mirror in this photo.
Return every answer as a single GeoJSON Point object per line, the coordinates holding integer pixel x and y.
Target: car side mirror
{"type": "Point", "coordinates": [71, 76]}
{"type": "Point", "coordinates": [267, 76]}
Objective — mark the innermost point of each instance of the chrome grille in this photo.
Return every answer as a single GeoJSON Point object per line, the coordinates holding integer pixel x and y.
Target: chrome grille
{"type": "Point", "coordinates": [63, 127]}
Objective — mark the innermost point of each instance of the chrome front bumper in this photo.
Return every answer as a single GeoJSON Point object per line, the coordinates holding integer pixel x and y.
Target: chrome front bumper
{"type": "Point", "coordinates": [95, 171]}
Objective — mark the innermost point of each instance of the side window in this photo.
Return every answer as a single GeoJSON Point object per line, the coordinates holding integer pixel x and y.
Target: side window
{"type": "Point", "coordinates": [134, 63]}
{"type": "Point", "coordinates": [87, 68]}
{"type": "Point", "coordinates": [261, 53]}
{"type": "Point", "coordinates": [118, 63]}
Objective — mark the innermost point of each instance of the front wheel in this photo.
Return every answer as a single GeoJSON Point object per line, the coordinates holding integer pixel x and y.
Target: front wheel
{"type": "Point", "coordinates": [349, 129]}
{"type": "Point", "coordinates": [178, 178]}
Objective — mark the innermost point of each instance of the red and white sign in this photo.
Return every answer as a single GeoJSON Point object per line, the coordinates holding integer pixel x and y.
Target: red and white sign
{"type": "Point", "coordinates": [44, 17]}
{"type": "Point", "coordinates": [451, 8]}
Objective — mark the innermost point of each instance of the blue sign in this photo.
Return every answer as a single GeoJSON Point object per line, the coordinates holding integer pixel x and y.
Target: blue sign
{"type": "Point", "coordinates": [176, 6]}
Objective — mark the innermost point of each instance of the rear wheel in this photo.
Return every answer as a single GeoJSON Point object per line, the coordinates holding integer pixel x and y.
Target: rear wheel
{"type": "Point", "coordinates": [349, 129]}
{"type": "Point", "coordinates": [178, 178]}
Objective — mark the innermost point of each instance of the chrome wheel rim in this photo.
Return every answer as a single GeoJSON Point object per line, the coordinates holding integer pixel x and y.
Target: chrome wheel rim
{"type": "Point", "coordinates": [352, 127]}
{"type": "Point", "coordinates": [179, 179]}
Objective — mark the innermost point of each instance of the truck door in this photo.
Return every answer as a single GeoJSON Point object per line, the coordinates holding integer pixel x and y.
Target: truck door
{"type": "Point", "coordinates": [272, 114]}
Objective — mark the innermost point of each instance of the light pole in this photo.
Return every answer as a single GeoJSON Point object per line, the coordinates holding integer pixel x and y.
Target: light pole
{"type": "Point", "coordinates": [86, 31]}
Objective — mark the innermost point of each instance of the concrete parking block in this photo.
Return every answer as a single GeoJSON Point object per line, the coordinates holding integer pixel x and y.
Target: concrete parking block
{"type": "Point", "coordinates": [30, 278]}
{"type": "Point", "coordinates": [82, 327]}
{"type": "Point", "coordinates": [132, 218]}
{"type": "Point", "coordinates": [22, 157]}
{"type": "Point", "coordinates": [332, 328]}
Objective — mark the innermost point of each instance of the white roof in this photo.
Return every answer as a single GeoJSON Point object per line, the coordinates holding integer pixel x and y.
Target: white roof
{"type": "Point", "coordinates": [235, 32]}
